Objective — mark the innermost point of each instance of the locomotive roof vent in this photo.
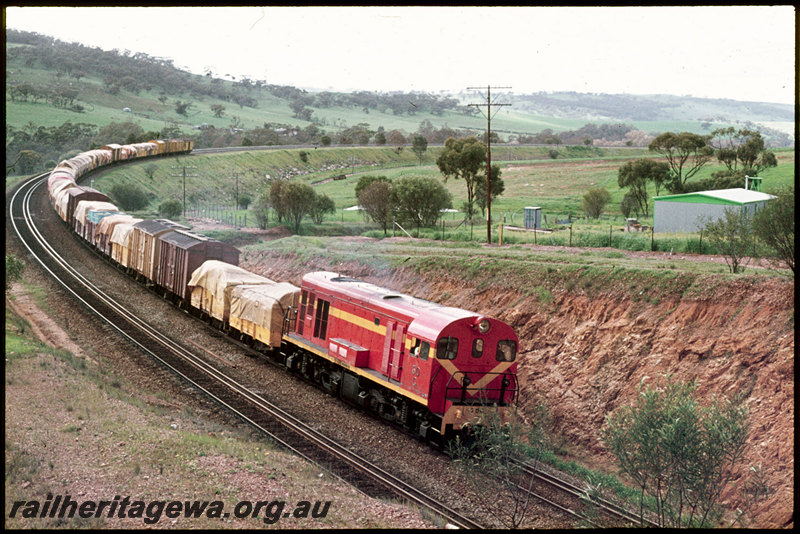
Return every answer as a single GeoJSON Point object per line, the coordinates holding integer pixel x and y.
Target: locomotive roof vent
{"type": "Point", "coordinates": [393, 296]}
{"type": "Point", "coordinates": [344, 279]}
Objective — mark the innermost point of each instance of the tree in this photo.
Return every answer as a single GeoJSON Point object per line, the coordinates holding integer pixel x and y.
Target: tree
{"type": "Point", "coordinates": [376, 200]}
{"type": "Point", "coordinates": [419, 147]}
{"type": "Point", "coordinates": [170, 208]}
{"type": "Point", "coordinates": [366, 180]}
{"type": "Point", "coordinates": [595, 201]}
{"type": "Point", "coordinates": [681, 454]}
{"type": "Point", "coordinates": [321, 205]}
{"type": "Point", "coordinates": [732, 234]}
{"type": "Point", "coordinates": [419, 200]}
{"type": "Point", "coordinates": [463, 159]}
{"type": "Point", "coordinates": [742, 151]}
{"type": "Point", "coordinates": [150, 170]}
{"type": "Point", "coordinates": [275, 198]}
{"type": "Point", "coordinates": [218, 110]}
{"type": "Point", "coordinates": [296, 200]}
{"type": "Point", "coordinates": [498, 187]}
{"type": "Point", "coordinates": [28, 161]}
{"type": "Point", "coordinates": [492, 461]}
{"type": "Point", "coordinates": [686, 154]}
{"type": "Point", "coordinates": [182, 108]}
{"type": "Point", "coordinates": [261, 209]}
{"type": "Point", "coordinates": [635, 174]}
{"type": "Point", "coordinates": [244, 201]}
{"type": "Point", "coordinates": [774, 225]}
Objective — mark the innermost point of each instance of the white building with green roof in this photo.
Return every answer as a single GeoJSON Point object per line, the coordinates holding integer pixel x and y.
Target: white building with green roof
{"type": "Point", "coordinates": [689, 211]}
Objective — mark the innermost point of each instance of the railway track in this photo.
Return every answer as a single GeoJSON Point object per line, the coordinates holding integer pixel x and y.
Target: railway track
{"type": "Point", "coordinates": [583, 495]}
{"type": "Point", "coordinates": [23, 207]}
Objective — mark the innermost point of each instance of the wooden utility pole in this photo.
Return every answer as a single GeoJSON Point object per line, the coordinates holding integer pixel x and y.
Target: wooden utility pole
{"type": "Point", "coordinates": [236, 175]}
{"type": "Point", "coordinates": [184, 183]}
{"type": "Point", "coordinates": [488, 116]}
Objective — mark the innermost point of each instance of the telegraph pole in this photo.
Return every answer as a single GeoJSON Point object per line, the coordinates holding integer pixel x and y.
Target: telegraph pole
{"type": "Point", "coordinates": [488, 116]}
{"type": "Point", "coordinates": [184, 183]}
{"type": "Point", "coordinates": [236, 175]}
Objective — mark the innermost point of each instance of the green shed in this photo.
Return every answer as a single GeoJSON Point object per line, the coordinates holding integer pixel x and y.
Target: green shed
{"type": "Point", "coordinates": [686, 212]}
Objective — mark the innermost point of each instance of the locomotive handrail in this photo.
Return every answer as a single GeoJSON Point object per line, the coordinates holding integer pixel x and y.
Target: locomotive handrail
{"type": "Point", "coordinates": [458, 384]}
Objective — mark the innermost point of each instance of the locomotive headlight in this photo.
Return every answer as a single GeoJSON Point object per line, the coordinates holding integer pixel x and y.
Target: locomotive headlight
{"type": "Point", "coordinates": [483, 326]}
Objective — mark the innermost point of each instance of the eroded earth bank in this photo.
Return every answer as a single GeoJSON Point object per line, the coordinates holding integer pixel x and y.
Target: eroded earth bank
{"type": "Point", "coordinates": [588, 337]}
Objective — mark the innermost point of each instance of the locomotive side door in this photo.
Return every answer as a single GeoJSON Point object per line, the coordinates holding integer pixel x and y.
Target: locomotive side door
{"type": "Point", "coordinates": [393, 346]}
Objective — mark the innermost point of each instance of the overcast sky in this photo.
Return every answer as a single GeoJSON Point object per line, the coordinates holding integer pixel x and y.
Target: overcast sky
{"type": "Point", "coordinates": [736, 52]}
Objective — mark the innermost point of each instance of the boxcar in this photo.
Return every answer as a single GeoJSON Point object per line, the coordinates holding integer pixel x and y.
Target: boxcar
{"type": "Point", "coordinates": [145, 243]}
{"type": "Point", "coordinates": [74, 195]}
{"type": "Point", "coordinates": [180, 253]}
{"type": "Point", "coordinates": [92, 222]}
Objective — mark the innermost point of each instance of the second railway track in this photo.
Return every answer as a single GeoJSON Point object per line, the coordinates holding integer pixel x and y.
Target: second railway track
{"type": "Point", "coordinates": [237, 398]}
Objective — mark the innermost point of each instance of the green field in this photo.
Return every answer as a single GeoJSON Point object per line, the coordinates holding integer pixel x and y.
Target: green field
{"type": "Point", "coordinates": [532, 178]}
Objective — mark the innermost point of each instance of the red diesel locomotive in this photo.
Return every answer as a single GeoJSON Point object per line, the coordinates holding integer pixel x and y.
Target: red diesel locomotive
{"type": "Point", "coordinates": [429, 367]}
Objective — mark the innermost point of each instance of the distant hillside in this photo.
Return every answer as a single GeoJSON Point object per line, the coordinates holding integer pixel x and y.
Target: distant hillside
{"type": "Point", "coordinates": [650, 107]}
{"type": "Point", "coordinates": [66, 97]}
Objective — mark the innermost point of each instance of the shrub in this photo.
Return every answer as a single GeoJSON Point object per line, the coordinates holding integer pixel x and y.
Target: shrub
{"type": "Point", "coordinates": [170, 208]}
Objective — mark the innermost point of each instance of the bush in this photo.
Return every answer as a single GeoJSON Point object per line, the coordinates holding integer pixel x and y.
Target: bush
{"type": "Point", "coordinates": [595, 201]}
{"type": "Point", "coordinates": [130, 197]}
{"type": "Point", "coordinates": [681, 454]}
{"type": "Point", "coordinates": [170, 209]}
{"type": "Point", "coordinates": [14, 268]}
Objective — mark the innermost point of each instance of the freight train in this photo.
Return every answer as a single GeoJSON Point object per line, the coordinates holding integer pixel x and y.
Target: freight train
{"type": "Point", "coordinates": [433, 369]}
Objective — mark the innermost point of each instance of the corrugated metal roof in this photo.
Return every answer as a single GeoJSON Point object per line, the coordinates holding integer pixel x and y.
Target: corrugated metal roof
{"type": "Point", "coordinates": [733, 196]}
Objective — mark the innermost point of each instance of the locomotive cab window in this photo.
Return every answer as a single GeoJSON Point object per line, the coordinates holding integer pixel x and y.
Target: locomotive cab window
{"type": "Point", "coordinates": [424, 350]}
{"type": "Point", "coordinates": [447, 348]}
{"type": "Point", "coordinates": [477, 348]}
{"type": "Point", "coordinates": [506, 350]}
{"type": "Point", "coordinates": [421, 349]}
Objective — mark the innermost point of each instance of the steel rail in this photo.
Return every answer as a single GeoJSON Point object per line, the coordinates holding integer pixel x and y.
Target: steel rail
{"type": "Point", "coordinates": [389, 481]}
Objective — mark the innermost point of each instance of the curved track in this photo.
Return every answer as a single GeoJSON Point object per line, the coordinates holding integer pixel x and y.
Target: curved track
{"type": "Point", "coordinates": [23, 208]}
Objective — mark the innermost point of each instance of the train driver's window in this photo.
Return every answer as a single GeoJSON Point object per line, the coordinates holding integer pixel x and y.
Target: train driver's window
{"type": "Point", "coordinates": [424, 350]}
{"type": "Point", "coordinates": [506, 350]}
{"type": "Point", "coordinates": [447, 348]}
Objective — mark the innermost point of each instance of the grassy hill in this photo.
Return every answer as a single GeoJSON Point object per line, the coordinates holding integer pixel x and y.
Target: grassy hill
{"type": "Point", "coordinates": [103, 84]}
{"type": "Point", "coordinates": [531, 176]}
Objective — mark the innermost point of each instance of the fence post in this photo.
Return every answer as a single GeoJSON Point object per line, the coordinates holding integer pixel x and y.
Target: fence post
{"type": "Point", "coordinates": [570, 235]}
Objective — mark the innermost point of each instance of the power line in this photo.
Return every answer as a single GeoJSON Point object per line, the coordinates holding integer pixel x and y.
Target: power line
{"type": "Point", "coordinates": [488, 116]}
